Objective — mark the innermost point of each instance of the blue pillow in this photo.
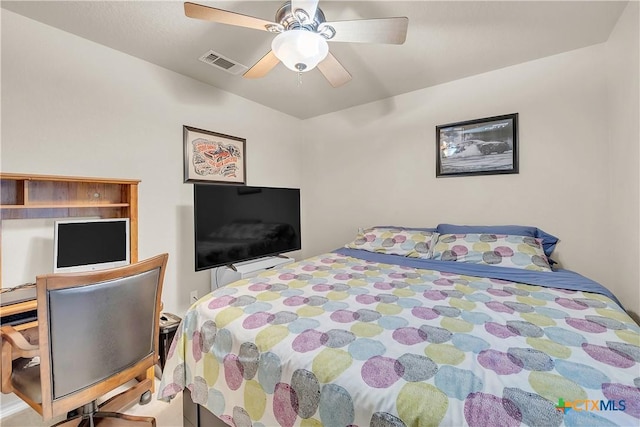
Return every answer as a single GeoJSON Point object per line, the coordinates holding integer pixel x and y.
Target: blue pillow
{"type": "Point", "coordinates": [548, 241]}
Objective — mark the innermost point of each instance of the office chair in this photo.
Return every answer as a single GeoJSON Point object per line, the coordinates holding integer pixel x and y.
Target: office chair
{"type": "Point", "coordinates": [97, 331]}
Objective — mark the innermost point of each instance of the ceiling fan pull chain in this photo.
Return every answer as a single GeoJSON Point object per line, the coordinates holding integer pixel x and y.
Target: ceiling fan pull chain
{"type": "Point", "coordinates": [300, 79]}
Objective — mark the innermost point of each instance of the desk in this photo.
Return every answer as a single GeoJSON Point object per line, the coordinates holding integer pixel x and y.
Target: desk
{"type": "Point", "coordinates": [19, 308]}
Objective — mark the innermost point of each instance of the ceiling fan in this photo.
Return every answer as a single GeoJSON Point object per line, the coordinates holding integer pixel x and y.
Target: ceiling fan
{"type": "Point", "coordinates": [303, 32]}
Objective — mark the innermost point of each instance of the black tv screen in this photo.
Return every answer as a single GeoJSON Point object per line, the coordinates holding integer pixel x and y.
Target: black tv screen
{"type": "Point", "coordinates": [239, 223]}
{"type": "Point", "coordinates": [90, 244]}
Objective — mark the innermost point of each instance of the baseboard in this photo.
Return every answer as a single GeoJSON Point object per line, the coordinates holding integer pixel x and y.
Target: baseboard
{"type": "Point", "coordinates": [10, 408]}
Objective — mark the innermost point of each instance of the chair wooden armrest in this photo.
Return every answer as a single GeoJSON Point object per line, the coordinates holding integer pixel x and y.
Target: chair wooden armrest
{"type": "Point", "coordinates": [14, 345]}
{"type": "Point", "coordinates": [21, 347]}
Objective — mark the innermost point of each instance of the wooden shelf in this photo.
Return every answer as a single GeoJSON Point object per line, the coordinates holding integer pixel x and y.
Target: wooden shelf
{"type": "Point", "coordinates": [60, 196]}
{"type": "Point", "coordinates": [20, 307]}
{"type": "Point", "coordinates": [62, 178]}
{"type": "Point", "coordinates": [69, 205]}
{"type": "Point", "coordinates": [27, 196]}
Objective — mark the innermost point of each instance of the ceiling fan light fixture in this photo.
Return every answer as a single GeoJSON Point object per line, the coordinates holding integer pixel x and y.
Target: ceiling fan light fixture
{"type": "Point", "coordinates": [300, 50]}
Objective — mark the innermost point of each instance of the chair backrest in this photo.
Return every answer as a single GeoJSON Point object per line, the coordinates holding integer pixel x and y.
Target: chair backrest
{"type": "Point", "coordinates": [97, 331]}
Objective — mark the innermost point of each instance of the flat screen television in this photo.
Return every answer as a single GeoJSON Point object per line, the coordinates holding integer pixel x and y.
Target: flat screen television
{"type": "Point", "coordinates": [240, 223]}
{"type": "Point", "coordinates": [90, 244]}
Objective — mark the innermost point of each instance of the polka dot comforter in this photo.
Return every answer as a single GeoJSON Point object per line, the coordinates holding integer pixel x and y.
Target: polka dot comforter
{"type": "Point", "coordinates": [335, 340]}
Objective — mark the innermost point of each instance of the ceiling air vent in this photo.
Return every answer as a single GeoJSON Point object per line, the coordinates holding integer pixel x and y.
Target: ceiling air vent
{"type": "Point", "coordinates": [216, 60]}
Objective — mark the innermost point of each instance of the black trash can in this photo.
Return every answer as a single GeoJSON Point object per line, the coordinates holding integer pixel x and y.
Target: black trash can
{"type": "Point", "coordinates": [168, 326]}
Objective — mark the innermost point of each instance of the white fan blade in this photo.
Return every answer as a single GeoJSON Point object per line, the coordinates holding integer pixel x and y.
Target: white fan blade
{"type": "Point", "coordinates": [308, 6]}
{"type": "Point", "coordinates": [381, 30]}
{"type": "Point", "coordinates": [333, 71]}
{"type": "Point", "coordinates": [262, 67]}
{"type": "Point", "coordinates": [207, 13]}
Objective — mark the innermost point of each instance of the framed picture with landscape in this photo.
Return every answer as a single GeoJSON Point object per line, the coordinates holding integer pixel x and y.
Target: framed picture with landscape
{"type": "Point", "coordinates": [486, 146]}
{"type": "Point", "coordinates": [213, 157]}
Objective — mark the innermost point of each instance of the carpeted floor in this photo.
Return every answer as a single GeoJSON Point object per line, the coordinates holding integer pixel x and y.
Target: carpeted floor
{"type": "Point", "coordinates": [166, 414]}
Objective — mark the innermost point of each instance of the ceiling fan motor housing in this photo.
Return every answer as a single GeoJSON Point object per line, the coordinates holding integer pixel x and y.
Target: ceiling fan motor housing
{"type": "Point", "coordinates": [299, 19]}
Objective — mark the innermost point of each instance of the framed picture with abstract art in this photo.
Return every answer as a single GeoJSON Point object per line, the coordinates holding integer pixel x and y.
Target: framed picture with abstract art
{"type": "Point", "coordinates": [213, 157]}
{"type": "Point", "coordinates": [486, 146]}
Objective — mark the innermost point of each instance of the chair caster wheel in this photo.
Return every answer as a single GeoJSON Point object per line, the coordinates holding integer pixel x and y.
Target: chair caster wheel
{"type": "Point", "coordinates": [145, 398]}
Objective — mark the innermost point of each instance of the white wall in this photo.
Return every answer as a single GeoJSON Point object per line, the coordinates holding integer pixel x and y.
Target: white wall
{"type": "Point", "coordinates": [375, 164]}
{"type": "Point", "coordinates": [623, 65]}
{"type": "Point", "coordinates": [73, 107]}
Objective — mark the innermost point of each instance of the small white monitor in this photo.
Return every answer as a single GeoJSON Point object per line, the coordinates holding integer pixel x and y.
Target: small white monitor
{"type": "Point", "coordinates": [90, 244]}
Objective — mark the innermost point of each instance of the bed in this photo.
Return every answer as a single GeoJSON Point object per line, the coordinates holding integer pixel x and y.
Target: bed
{"type": "Point", "coordinates": [413, 327]}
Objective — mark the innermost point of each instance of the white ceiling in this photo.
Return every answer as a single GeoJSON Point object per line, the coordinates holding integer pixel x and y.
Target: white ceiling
{"type": "Point", "coordinates": [446, 40]}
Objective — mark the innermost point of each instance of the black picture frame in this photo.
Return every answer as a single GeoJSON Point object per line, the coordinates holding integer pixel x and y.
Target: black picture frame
{"type": "Point", "coordinates": [214, 157]}
{"type": "Point", "coordinates": [487, 146]}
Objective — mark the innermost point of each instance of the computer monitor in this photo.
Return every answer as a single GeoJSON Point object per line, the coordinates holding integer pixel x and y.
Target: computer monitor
{"type": "Point", "coordinates": [90, 244]}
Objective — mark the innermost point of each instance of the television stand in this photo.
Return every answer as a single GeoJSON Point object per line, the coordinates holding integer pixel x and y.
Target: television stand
{"type": "Point", "coordinates": [222, 276]}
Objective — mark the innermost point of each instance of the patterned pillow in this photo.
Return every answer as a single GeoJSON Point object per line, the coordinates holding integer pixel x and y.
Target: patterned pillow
{"type": "Point", "coordinates": [492, 249]}
{"type": "Point", "coordinates": [409, 242]}
{"type": "Point", "coordinates": [549, 241]}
